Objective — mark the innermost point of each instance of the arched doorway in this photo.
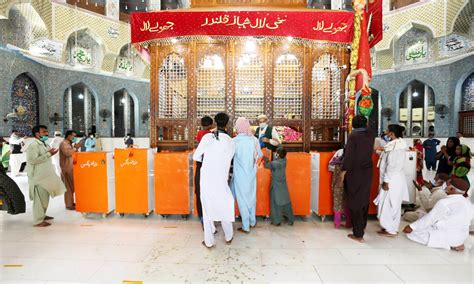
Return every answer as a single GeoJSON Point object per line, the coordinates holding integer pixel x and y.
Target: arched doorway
{"type": "Point", "coordinates": [24, 96]}
{"type": "Point", "coordinates": [467, 93]}
{"type": "Point", "coordinates": [417, 109]}
{"type": "Point", "coordinates": [123, 109]}
{"type": "Point", "coordinates": [80, 108]}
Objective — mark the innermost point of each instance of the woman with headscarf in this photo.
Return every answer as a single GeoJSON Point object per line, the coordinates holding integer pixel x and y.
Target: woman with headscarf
{"type": "Point", "coordinates": [244, 180]}
{"type": "Point", "coordinates": [462, 163]}
{"type": "Point", "coordinates": [394, 189]}
{"type": "Point", "coordinates": [447, 155]}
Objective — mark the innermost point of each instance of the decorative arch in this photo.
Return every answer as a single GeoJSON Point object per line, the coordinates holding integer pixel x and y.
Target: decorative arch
{"type": "Point", "coordinates": [416, 109]}
{"type": "Point", "coordinates": [81, 108]}
{"type": "Point", "coordinates": [326, 88]}
{"type": "Point", "coordinates": [84, 49]}
{"type": "Point", "coordinates": [249, 86]}
{"type": "Point", "coordinates": [211, 80]}
{"type": "Point", "coordinates": [413, 45]}
{"type": "Point", "coordinates": [288, 87]}
{"type": "Point", "coordinates": [128, 62]}
{"type": "Point", "coordinates": [25, 103]}
{"type": "Point", "coordinates": [173, 87]}
{"type": "Point", "coordinates": [124, 113]}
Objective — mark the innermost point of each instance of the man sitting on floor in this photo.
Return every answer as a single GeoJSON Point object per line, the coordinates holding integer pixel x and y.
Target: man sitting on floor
{"type": "Point", "coordinates": [429, 195]}
{"type": "Point", "coordinates": [447, 224]}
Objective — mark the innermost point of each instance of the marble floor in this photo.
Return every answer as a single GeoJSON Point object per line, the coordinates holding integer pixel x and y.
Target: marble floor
{"type": "Point", "coordinates": [114, 250]}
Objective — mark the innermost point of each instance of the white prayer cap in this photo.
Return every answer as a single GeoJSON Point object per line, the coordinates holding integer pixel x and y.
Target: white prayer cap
{"type": "Point", "coordinates": [262, 116]}
{"type": "Point", "coordinates": [57, 133]}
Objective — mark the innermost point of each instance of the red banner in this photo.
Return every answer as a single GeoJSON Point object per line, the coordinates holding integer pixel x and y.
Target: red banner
{"type": "Point", "coordinates": [375, 28]}
{"type": "Point", "coordinates": [334, 26]}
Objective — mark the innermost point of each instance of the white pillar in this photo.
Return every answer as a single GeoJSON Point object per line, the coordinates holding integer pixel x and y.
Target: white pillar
{"type": "Point", "coordinates": [336, 4]}
{"type": "Point", "coordinates": [87, 110]}
{"type": "Point", "coordinates": [126, 111]}
{"type": "Point", "coordinates": [112, 9]}
{"type": "Point", "coordinates": [385, 6]}
{"type": "Point", "coordinates": [425, 111]}
{"type": "Point", "coordinates": [154, 5]}
{"type": "Point", "coordinates": [69, 107]}
{"type": "Point", "coordinates": [409, 115]}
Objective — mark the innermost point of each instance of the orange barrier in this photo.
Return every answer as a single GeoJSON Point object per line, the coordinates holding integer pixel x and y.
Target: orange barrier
{"type": "Point", "coordinates": [325, 178]}
{"type": "Point", "coordinates": [325, 204]}
{"type": "Point", "coordinates": [133, 181]}
{"type": "Point", "coordinates": [94, 182]}
{"type": "Point", "coordinates": [298, 175]}
{"type": "Point", "coordinates": [172, 183]}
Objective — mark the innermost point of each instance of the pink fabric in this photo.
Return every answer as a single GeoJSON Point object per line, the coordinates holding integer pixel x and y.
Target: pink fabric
{"type": "Point", "coordinates": [243, 126]}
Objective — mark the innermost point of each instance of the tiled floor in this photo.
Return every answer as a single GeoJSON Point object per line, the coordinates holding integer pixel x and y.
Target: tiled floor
{"type": "Point", "coordinates": [115, 249]}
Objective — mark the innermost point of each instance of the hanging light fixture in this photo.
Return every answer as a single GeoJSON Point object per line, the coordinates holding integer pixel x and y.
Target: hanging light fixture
{"type": "Point", "coordinates": [415, 94]}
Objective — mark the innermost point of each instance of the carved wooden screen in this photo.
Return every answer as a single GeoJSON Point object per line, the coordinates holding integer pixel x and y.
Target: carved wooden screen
{"type": "Point", "coordinates": [210, 85]}
{"type": "Point", "coordinates": [326, 91]}
{"type": "Point", "coordinates": [173, 87]}
{"type": "Point", "coordinates": [249, 86]}
{"type": "Point", "coordinates": [288, 88]}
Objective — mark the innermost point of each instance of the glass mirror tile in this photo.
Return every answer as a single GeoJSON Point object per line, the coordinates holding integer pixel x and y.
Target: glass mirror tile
{"type": "Point", "coordinates": [210, 85]}
{"type": "Point", "coordinates": [249, 86]}
{"type": "Point", "coordinates": [288, 88]}
{"type": "Point", "coordinates": [173, 88]}
{"type": "Point", "coordinates": [326, 88]}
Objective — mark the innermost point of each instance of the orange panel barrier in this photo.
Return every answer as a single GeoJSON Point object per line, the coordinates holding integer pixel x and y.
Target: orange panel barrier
{"type": "Point", "coordinates": [325, 192]}
{"type": "Point", "coordinates": [172, 183]}
{"type": "Point", "coordinates": [133, 195]}
{"type": "Point", "coordinates": [93, 182]}
{"type": "Point", "coordinates": [298, 175]}
{"type": "Point", "coordinates": [325, 179]}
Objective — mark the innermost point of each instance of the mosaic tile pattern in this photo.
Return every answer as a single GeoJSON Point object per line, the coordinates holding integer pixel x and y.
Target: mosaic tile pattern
{"type": "Point", "coordinates": [421, 14]}
{"type": "Point", "coordinates": [24, 98]}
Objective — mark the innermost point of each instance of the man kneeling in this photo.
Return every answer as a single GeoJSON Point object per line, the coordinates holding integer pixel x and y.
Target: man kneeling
{"type": "Point", "coordinates": [447, 224]}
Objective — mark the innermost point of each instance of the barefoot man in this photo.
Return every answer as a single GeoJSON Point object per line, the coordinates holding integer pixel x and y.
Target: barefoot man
{"type": "Point", "coordinates": [447, 224]}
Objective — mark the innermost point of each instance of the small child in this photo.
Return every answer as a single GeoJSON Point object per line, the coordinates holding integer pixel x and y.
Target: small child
{"type": "Point", "coordinates": [280, 203]}
{"type": "Point", "coordinates": [462, 163]}
{"type": "Point", "coordinates": [206, 124]}
{"type": "Point", "coordinates": [335, 166]}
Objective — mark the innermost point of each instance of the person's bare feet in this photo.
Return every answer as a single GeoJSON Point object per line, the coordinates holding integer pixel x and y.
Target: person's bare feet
{"type": "Point", "coordinates": [471, 233]}
{"type": "Point", "coordinates": [360, 240]}
{"type": "Point", "coordinates": [71, 207]}
{"type": "Point", "coordinates": [458, 248]}
{"type": "Point", "coordinates": [229, 241]}
{"type": "Point", "coordinates": [46, 218]}
{"type": "Point", "coordinates": [42, 224]}
{"type": "Point", "coordinates": [385, 233]}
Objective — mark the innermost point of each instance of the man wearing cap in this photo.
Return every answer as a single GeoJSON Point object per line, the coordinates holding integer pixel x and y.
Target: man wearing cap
{"type": "Point", "coordinates": [430, 193]}
{"type": "Point", "coordinates": [56, 141]}
{"type": "Point", "coordinates": [447, 224]}
{"type": "Point", "coordinates": [266, 134]}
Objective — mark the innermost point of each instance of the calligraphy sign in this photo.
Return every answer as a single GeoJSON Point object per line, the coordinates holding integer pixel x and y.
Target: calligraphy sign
{"type": "Point", "coordinates": [335, 26]}
{"type": "Point", "coordinates": [417, 51]}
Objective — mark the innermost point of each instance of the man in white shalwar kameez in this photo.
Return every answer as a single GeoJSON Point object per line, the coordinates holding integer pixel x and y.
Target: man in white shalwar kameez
{"type": "Point", "coordinates": [428, 195]}
{"type": "Point", "coordinates": [447, 224]}
{"type": "Point", "coordinates": [216, 151]}
{"type": "Point", "coordinates": [394, 189]}
{"type": "Point", "coordinates": [55, 145]}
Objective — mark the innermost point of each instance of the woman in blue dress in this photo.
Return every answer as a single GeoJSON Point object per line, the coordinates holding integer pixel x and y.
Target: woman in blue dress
{"type": "Point", "coordinates": [244, 182]}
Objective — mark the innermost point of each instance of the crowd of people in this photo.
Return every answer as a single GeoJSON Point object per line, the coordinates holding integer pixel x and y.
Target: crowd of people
{"type": "Point", "coordinates": [443, 215]}
{"type": "Point", "coordinates": [226, 171]}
